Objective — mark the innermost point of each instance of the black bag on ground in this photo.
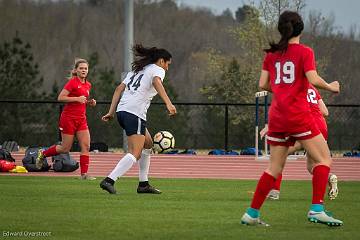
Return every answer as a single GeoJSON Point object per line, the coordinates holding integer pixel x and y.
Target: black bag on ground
{"type": "Point", "coordinates": [64, 163]}
{"type": "Point", "coordinates": [5, 155]}
{"type": "Point", "coordinates": [11, 146]}
{"type": "Point", "coordinates": [29, 161]}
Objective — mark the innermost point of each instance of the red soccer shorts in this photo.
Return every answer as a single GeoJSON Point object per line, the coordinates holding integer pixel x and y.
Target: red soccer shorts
{"type": "Point", "coordinates": [69, 125]}
{"type": "Point", "coordinates": [289, 138]}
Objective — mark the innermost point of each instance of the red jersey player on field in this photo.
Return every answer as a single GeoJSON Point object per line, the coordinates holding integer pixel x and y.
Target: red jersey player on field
{"type": "Point", "coordinates": [287, 70]}
{"type": "Point", "coordinates": [73, 118]}
{"type": "Point", "coordinates": [319, 112]}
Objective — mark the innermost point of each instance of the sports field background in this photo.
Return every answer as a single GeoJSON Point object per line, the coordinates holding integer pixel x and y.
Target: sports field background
{"type": "Point", "coordinates": [187, 209]}
{"type": "Point", "coordinates": [203, 196]}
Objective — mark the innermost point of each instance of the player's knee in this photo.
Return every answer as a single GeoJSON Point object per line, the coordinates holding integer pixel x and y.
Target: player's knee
{"type": "Point", "coordinates": [85, 147]}
{"type": "Point", "coordinates": [325, 160]}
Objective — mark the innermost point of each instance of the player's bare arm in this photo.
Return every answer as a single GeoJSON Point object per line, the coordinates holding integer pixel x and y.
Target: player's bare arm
{"type": "Point", "coordinates": [264, 82]}
{"type": "Point", "coordinates": [115, 100]}
{"type": "Point", "coordinates": [162, 93]}
{"type": "Point", "coordinates": [317, 81]}
{"type": "Point", "coordinates": [64, 97]}
{"type": "Point", "coordinates": [323, 109]}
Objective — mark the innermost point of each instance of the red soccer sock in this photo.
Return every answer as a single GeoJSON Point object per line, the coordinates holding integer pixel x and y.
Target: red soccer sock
{"type": "Point", "coordinates": [265, 184]}
{"type": "Point", "coordinates": [84, 164]}
{"type": "Point", "coordinates": [51, 151]}
{"type": "Point", "coordinates": [278, 182]}
{"type": "Point", "coordinates": [319, 182]}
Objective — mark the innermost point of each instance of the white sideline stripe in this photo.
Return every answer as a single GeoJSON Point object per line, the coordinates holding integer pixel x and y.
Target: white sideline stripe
{"type": "Point", "coordinates": [139, 126]}
{"type": "Point", "coordinates": [302, 134]}
{"type": "Point", "coordinates": [277, 139]}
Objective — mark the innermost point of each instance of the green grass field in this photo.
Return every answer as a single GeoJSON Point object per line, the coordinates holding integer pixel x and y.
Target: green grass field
{"type": "Point", "coordinates": [187, 209]}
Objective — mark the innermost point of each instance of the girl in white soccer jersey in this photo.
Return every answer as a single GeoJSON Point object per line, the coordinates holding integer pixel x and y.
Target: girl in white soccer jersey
{"type": "Point", "coordinates": [138, 88]}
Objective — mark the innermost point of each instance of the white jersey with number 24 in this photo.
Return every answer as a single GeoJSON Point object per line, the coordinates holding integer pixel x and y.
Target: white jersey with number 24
{"type": "Point", "coordinates": [139, 90]}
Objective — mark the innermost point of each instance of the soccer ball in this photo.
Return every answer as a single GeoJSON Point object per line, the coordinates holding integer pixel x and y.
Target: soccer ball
{"type": "Point", "coordinates": [163, 142]}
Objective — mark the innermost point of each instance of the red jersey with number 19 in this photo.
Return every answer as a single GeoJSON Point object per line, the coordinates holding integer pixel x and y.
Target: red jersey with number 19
{"type": "Point", "coordinates": [289, 111]}
{"type": "Point", "coordinates": [76, 88]}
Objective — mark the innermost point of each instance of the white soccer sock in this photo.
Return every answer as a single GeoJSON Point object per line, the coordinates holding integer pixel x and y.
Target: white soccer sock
{"type": "Point", "coordinates": [144, 164]}
{"type": "Point", "coordinates": [123, 166]}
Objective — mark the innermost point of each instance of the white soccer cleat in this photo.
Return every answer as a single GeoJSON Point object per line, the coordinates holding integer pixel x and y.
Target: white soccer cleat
{"type": "Point", "coordinates": [333, 189]}
{"type": "Point", "coordinates": [274, 194]}
{"type": "Point", "coordinates": [324, 218]}
{"type": "Point", "coordinates": [250, 221]}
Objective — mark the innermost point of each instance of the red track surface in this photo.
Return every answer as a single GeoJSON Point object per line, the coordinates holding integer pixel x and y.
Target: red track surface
{"type": "Point", "coordinates": [204, 166]}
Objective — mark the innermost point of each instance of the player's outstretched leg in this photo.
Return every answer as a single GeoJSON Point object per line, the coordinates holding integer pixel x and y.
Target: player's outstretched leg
{"type": "Point", "coordinates": [333, 188]}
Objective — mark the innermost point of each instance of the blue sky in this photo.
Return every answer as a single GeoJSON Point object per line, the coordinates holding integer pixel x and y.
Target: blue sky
{"type": "Point", "coordinates": [346, 12]}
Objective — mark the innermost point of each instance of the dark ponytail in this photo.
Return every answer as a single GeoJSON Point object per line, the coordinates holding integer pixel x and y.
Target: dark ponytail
{"type": "Point", "coordinates": [145, 56]}
{"type": "Point", "coordinates": [290, 25]}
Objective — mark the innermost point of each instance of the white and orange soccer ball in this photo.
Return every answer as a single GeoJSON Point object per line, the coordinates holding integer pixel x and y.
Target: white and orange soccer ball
{"type": "Point", "coordinates": [164, 142]}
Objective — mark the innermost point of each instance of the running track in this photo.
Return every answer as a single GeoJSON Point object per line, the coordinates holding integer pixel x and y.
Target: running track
{"type": "Point", "coordinates": [204, 166]}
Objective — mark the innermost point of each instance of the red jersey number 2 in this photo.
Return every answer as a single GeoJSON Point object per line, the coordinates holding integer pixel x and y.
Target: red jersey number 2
{"type": "Point", "coordinates": [285, 73]}
{"type": "Point", "coordinates": [311, 96]}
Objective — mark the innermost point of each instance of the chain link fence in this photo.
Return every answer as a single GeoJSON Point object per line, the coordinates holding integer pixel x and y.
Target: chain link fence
{"type": "Point", "coordinates": [196, 126]}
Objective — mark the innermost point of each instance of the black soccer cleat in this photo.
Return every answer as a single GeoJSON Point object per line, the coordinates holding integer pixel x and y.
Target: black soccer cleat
{"type": "Point", "coordinates": [107, 187]}
{"type": "Point", "coordinates": [148, 189]}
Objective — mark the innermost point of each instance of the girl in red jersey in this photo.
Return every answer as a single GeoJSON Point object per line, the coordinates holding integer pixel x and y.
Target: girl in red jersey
{"type": "Point", "coordinates": [287, 70]}
{"type": "Point", "coordinates": [73, 118]}
{"type": "Point", "coordinates": [319, 112]}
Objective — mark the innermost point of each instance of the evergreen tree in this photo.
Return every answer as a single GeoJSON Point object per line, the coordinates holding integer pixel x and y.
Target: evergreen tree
{"type": "Point", "coordinates": [18, 73]}
{"type": "Point", "coordinates": [30, 124]}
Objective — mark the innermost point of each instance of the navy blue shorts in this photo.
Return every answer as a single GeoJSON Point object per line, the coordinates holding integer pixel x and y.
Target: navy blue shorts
{"type": "Point", "coordinates": [131, 123]}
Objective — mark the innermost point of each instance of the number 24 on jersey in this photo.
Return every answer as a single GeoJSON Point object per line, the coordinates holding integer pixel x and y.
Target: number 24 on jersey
{"type": "Point", "coordinates": [134, 85]}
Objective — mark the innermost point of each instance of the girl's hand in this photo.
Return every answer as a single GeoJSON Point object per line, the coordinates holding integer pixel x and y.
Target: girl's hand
{"type": "Point", "coordinates": [107, 117]}
{"type": "Point", "coordinates": [171, 109]}
{"type": "Point", "coordinates": [263, 132]}
{"type": "Point", "coordinates": [91, 103]}
{"type": "Point", "coordinates": [335, 87]}
{"type": "Point", "coordinates": [81, 99]}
